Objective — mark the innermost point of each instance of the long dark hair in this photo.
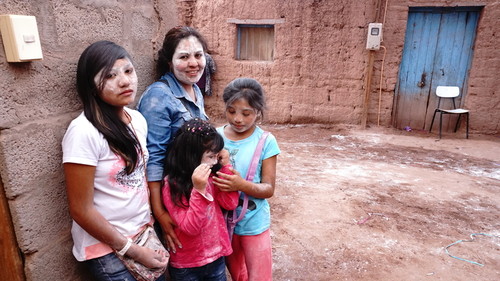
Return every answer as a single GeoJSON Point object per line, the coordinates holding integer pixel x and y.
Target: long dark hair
{"type": "Point", "coordinates": [172, 39]}
{"type": "Point", "coordinates": [101, 56]}
{"type": "Point", "coordinates": [184, 154]}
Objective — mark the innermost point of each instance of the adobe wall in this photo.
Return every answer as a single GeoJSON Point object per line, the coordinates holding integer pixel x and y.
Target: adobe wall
{"type": "Point", "coordinates": [484, 90]}
{"type": "Point", "coordinates": [37, 102]}
{"type": "Point", "coordinates": [319, 70]}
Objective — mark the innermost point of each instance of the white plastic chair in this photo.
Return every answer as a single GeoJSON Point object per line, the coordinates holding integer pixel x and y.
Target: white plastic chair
{"type": "Point", "coordinates": [447, 92]}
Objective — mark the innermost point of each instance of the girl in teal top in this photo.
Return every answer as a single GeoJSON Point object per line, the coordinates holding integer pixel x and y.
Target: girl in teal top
{"type": "Point", "coordinates": [245, 103]}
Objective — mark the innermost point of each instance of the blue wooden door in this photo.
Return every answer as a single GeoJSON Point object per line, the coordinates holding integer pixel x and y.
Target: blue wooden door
{"type": "Point", "coordinates": [437, 51]}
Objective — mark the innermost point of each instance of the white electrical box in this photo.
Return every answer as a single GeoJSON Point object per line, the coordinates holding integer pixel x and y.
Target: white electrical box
{"type": "Point", "coordinates": [20, 38]}
{"type": "Point", "coordinates": [374, 36]}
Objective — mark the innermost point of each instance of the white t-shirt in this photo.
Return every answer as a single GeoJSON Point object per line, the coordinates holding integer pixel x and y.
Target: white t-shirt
{"type": "Point", "coordinates": [122, 199]}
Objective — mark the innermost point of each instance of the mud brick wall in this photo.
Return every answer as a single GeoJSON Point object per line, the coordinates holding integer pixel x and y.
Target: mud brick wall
{"type": "Point", "coordinates": [320, 61]}
{"type": "Point", "coordinates": [484, 87]}
{"type": "Point", "coordinates": [38, 100]}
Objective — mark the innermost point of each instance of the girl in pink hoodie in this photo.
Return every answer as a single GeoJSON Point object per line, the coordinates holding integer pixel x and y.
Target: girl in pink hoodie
{"type": "Point", "coordinates": [194, 203]}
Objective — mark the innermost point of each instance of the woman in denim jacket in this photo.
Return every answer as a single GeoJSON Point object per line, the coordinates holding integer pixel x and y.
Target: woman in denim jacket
{"type": "Point", "coordinates": [167, 104]}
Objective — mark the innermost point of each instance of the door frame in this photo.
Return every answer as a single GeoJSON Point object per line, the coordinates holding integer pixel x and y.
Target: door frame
{"type": "Point", "coordinates": [11, 263]}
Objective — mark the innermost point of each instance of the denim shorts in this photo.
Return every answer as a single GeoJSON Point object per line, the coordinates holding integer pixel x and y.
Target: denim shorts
{"type": "Point", "coordinates": [214, 271]}
{"type": "Point", "coordinates": [111, 268]}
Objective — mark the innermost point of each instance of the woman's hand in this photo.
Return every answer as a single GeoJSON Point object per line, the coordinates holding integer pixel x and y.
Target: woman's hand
{"type": "Point", "coordinates": [200, 177]}
{"type": "Point", "coordinates": [163, 217]}
{"type": "Point", "coordinates": [148, 257]}
{"type": "Point", "coordinates": [167, 226]}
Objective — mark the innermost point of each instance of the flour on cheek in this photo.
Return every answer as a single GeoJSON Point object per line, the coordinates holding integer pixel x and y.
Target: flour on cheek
{"type": "Point", "coordinates": [188, 61]}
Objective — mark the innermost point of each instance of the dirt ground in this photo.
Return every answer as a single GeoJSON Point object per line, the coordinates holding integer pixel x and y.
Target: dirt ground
{"type": "Point", "coordinates": [383, 204]}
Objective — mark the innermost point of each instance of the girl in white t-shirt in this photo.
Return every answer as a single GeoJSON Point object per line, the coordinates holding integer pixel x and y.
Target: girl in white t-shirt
{"type": "Point", "coordinates": [104, 156]}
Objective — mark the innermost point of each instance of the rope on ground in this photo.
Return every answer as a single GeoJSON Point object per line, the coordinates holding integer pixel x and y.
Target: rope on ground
{"type": "Point", "coordinates": [369, 217]}
{"type": "Point", "coordinates": [470, 240]}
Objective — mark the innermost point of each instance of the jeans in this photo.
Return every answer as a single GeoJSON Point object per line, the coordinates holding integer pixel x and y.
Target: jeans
{"type": "Point", "coordinates": [214, 271]}
{"type": "Point", "coordinates": [111, 268]}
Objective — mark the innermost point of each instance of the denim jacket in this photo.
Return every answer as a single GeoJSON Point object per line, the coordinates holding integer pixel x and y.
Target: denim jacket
{"type": "Point", "coordinates": [166, 108]}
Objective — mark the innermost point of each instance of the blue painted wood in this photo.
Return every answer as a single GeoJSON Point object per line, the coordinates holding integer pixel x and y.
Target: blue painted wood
{"type": "Point", "coordinates": [416, 68]}
{"type": "Point", "coordinates": [438, 51]}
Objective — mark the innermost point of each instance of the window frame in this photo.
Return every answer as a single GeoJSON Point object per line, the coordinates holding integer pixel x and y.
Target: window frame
{"type": "Point", "coordinates": [241, 26]}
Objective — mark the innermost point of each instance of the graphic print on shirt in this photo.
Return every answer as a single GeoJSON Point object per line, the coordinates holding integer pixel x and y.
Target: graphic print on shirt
{"type": "Point", "coordinates": [251, 204]}
{"type": "Point", "coordinates": [232, 154]}
{"type": "Point", "coordinates": [134, 182]}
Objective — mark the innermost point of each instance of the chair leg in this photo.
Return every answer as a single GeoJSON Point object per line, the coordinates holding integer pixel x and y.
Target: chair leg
{"type": "Point", "coordinates": [440, 124]}
{"type": "Point", "coordinates": [458, 122]}
{"type": "Point", "coordinates": [432, 122]}
{"type": "Point", "coordinates": [467, 126]}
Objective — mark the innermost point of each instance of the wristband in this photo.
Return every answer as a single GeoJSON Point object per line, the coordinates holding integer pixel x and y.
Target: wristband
{"type": "Point", "coordinates": [125, 248]}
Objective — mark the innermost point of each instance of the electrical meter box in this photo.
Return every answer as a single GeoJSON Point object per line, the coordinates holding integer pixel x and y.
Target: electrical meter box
{"type": "Point", "coordinates": [20, 38]}
{"type": "Point", "coordinates": [374, 36]}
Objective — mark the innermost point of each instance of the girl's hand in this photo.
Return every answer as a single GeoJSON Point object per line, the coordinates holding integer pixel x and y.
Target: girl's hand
{"type": "Point", "coordinates": [200, 177]}
{"type": "Point", "coordinates": [224, 157]}
{"type": "Point", "coordinates": [229, 183]}
{"type": "Point", "coordinates": [148, 257]}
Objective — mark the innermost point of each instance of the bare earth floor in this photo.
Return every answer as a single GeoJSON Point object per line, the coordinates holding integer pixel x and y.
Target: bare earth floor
{"type": "Point", "coordinates": [382, 204]}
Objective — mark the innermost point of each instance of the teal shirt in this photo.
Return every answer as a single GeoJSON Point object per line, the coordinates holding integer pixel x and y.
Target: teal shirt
{"type": "Point", "coordinates": [258, 217]}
